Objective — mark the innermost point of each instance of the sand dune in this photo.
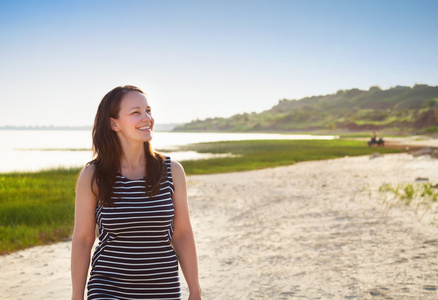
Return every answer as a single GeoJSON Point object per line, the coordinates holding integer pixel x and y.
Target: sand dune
{"type": "Point", "coordinates": [313, 230]}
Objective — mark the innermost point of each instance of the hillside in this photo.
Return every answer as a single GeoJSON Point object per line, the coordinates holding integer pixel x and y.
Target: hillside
{"type": "Point", "coordinates": [401, 109]}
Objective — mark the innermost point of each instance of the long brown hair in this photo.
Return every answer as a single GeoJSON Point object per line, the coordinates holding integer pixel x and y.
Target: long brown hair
{"type": "Point", "coordinates": [107, 150]}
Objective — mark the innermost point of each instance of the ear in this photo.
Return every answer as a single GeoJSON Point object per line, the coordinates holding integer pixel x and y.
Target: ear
{"type": "Point", "coordinates": [113, 123]}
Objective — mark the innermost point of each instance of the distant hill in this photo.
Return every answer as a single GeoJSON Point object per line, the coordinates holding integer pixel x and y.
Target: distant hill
{"type": "Point", "coordinates": [401, 108]}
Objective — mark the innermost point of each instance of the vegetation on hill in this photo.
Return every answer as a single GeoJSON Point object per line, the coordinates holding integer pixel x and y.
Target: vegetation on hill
{"type": "Point", "coordinates": [401, 108]}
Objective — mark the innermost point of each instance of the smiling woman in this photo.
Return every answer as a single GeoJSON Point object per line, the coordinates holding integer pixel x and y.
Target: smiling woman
{"type": "Point", "coordinates": [134, 119]}
{"type": "Point", "coordinates": [138, 199]}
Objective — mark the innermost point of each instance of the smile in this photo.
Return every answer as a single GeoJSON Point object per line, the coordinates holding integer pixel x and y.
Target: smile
{"type": "Point", "coordinates": [144, 127]}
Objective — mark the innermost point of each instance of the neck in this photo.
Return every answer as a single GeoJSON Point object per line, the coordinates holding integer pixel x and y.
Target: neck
{"type": "Point", "coordinates": [133, 157]}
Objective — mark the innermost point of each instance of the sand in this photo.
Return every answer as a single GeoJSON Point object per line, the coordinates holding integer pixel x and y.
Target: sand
{"type": "Point", "coordinates": [313, 230]}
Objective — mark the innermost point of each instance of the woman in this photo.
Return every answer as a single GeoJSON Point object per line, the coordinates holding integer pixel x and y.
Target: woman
{"type": "Point", "coordinates": [138, 198]}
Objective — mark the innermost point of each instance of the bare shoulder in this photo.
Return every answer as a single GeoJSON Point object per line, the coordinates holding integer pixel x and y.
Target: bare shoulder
{"type": "Point", "coordinates": [85, 177]}
{"type": "Point", "coordinates": [176, 166]}
{"type": "Point", "coordinates": [177, 171]}
{"type": "Point", "coordinates": [87, 173]}
{"type": "Point", "coordinates": [179, 183]}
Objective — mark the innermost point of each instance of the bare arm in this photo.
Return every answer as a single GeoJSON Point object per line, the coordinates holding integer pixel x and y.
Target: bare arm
{"type": "Point", "coordinates": [84, 232]}
{"type": "Point", "coordinates": [183, 239]}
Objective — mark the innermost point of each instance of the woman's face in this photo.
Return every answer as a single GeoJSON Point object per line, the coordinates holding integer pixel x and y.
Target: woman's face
{"type": "Point", "coordinates": [135, 121]}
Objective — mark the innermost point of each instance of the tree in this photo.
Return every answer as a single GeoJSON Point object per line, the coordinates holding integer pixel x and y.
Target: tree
{"type": "Point", "coordinates": [331, 126]}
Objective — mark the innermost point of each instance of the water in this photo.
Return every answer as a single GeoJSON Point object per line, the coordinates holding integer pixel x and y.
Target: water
{"type": "Point", "coordinates": [27, 150]}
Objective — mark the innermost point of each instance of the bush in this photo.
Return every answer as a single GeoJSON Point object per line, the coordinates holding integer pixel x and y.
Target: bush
{"type": "Point", "coordinates": [430, 129]}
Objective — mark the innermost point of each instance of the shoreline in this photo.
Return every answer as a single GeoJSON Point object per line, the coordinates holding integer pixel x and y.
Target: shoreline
{"type": "Point", "coordinates": [312, 229]}
{"type": "Point", "coordinates": [82, 155]}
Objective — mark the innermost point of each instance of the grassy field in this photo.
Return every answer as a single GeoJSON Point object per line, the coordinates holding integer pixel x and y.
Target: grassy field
{"type": "Point", "coordinates": [38, 208]}
{"type": "Point", "coordinates": [251, 155]}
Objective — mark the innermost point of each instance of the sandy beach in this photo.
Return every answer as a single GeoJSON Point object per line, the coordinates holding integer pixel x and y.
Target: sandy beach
{"type": "Point", "coordinates": [312, 230]}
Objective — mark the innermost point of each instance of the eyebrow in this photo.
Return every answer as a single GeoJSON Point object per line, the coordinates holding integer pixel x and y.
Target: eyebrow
{"type": "Point", "coordinates": [137, 107]}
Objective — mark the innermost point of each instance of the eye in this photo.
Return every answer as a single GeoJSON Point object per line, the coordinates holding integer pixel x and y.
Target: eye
{"type": "Point", "coordinates": [135, 112]}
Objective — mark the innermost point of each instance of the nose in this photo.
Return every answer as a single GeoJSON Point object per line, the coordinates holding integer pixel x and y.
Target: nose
{"type": "Point", "coordinates": [147, 116]}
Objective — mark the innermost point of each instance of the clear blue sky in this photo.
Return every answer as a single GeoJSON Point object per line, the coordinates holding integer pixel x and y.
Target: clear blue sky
{"type": "Point", "coordinates": [200, 59]}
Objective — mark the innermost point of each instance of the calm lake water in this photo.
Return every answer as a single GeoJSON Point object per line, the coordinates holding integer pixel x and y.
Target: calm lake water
{"type": "Point", "coordinates": [32, 150]}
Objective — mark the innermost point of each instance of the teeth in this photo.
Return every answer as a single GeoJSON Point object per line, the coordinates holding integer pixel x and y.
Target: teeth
{"type": "Point", "coordinates": [145, 127]}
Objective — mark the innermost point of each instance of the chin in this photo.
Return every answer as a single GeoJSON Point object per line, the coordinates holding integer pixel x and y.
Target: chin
{"type": "Point", "coordinates": [147, 139]}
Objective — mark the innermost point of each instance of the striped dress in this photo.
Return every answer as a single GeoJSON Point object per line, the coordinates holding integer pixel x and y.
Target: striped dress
{"type": "Point", "coordinates": [134, 258]}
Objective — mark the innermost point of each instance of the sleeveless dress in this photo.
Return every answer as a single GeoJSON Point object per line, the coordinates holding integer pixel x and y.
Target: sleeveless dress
{"type": "Point", "coordinates": [134, 258]}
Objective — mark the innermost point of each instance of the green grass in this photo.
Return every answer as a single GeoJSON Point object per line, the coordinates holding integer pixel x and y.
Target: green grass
{"type": "Point", "coordinates": [38, 208]}
{"type": "Point", "coordinates": [431, 129]}
{"type": "Point", "coordinates": [252, 155]}
{"type": "Point", "coordinates": [423, 195]}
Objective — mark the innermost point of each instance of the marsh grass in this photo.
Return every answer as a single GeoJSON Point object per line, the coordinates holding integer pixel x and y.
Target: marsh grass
{"type": "Point", "coordinates": [423, 196]}
{"type": "Point", "coordinates": [250, 155]}
{"type": "Point", "coordinates": [38, 208]}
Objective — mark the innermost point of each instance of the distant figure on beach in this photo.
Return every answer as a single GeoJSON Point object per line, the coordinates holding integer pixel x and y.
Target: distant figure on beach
{"type": "Point", "coordinates": [138, 199]}
{"type": "Point", "coordinates": [374, 140]}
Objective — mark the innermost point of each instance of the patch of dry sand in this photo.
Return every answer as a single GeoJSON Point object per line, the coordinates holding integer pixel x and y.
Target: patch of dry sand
{"type": "Point", "coordinates": [313, 230]}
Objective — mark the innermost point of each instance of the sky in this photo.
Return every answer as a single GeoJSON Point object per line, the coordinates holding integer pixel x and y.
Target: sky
{"type": "Point", "coordinates": [205, 59]}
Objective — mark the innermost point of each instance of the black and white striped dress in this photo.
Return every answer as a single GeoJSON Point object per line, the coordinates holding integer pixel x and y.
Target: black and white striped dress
{"type": "Point", "coordinates": [134, 258]}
